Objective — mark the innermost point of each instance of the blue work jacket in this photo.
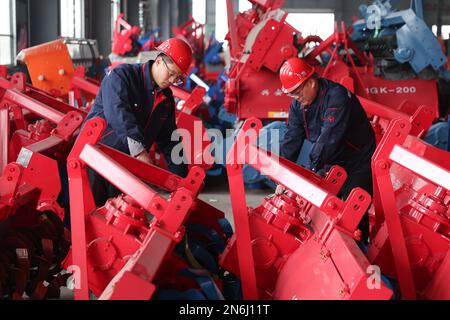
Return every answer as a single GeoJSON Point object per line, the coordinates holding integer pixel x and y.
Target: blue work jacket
{"type": "Point", "coordinates": [126, 101]}
{"type": "Point", "coordinates": [337, 127]}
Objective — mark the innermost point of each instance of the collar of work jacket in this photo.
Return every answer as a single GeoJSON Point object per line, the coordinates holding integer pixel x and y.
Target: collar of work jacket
{"type": "Point", "coordinates": [150, 87]}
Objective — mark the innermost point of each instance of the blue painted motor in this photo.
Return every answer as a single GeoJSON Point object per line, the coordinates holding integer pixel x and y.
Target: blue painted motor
{"type": "Point", "coordinates": [152, 33]}
{"type": "Point", "coordinates": [212, 54]}
{"type": "Point", "coordinates": [401, 35]}
{"type": "Point", "coordinates": [438, 135]}
{"type": "Point", "coordinates": [200, 249]}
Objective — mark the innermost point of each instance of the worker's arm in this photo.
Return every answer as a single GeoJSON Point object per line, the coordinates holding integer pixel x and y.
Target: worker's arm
{"type": "Point", "coordinates": [118, 111]}
{"type": "Point", "coordinates": [166, 144]}
{"type": "Point", "coordinates": [334, 126]}
{"type": "Point", "coordinates": [295, 135]}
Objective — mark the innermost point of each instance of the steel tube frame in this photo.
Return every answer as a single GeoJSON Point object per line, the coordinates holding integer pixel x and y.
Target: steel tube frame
{"type": "Point", "coordinates": [344, 214]}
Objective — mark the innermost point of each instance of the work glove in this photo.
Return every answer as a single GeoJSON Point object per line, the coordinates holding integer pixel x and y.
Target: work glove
{"type": "Point", "coordinates": [279, 190]}
{"type": "Point", "coordinates": [144, 157]}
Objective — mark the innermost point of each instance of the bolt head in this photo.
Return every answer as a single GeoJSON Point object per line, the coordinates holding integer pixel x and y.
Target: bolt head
{"type": "Point", "coordinates": [382, 165]}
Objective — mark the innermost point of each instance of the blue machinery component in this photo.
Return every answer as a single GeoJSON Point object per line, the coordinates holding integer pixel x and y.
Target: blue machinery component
{"type": "Point", "coordinates": [212, 54]}
{"type": "Point", "coordinates": [438, 135]}
{"type": "Point", "coordinates": [152, 33]}
{"type": "Point", "coordinates": [416, 44]}
{"type": "Point", "coordinates": [201, 248]}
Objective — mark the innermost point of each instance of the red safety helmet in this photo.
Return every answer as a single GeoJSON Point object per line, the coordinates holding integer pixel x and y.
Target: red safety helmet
{"type": "Point", "coordinates": [179, 51]}
{"type": "Point", "coordinates": [293, 73]}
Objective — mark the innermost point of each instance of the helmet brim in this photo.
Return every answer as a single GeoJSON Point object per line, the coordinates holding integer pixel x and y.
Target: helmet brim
{"type": "Point", "coordinates": [183, 72]}
{"type": "Point", "coordinates": [299, 83]}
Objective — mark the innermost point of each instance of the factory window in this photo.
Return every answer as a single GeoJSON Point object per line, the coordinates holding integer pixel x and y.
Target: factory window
{"type": "Point", "coordinates": [222, 16]}
{"type": "Point", "coordinates": [244, 5]}
{"type": "Point", "coordinates": [320, 24]}
{"type": "Point", "coordinates": [445, 31]}
{"type": "Point", "coordinates": [7, 31]}
{"type": "Point", "coordinates": [72, 18]}
{"type": "Point", "coordinates": [221, 20]}
{"type": "Point", "coordinates": [199, 11]}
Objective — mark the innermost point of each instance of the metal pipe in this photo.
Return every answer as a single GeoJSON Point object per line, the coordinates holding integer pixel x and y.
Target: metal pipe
{"type": "Point", "coordinates": [120, 177]}
{"type": "Point", "coordinates": [16, 97]}
{"type": "Point", "coordinates": [232, 28]}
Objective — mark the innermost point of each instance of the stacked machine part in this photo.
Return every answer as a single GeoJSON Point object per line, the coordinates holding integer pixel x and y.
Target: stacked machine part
{"type": "Point", "coordinates": [38, 131]}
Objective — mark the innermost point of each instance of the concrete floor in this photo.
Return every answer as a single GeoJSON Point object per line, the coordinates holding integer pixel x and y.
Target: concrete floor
{"type": "Point", "coordinates": [217, 194]}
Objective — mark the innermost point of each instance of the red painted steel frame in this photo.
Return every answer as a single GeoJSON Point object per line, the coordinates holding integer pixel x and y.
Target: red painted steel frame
{"type": "Point", "coordinates": [22, 182]}
{"type": "Point", "coordinates": [421, 117]}
{"type": "Point", "coordinates": [253, 88]}
{"type": "Point", "coordinates": [345, 216]}
{"type": "Point", "coordinates": [84, 86]}
{"type": "Point", "coordinates": [17, 96]}
{"type": "Point", "coordinates": [400, 173]}
{"type": "Point", "coordinates": [165, 229]}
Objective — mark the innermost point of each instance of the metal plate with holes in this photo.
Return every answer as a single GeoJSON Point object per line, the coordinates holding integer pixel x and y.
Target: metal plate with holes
{"type": "Point", "coordinates": [24, 157]}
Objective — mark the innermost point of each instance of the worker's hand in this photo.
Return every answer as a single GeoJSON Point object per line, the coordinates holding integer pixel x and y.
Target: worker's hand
{"type": "Point", "coordinates": [144, 157]}
{"type": "Point", "coordinates": [279, 190]}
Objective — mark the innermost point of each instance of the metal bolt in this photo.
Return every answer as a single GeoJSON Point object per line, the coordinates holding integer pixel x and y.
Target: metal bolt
{"type": "Point", "coordinates": [382, 165]}
{"type": "Point", "coordinates": [61, 72]}
{"type": "Point", "coordinates": [73, 164]}
{"type": "Point", "coordinates": [331, 205]}
{"type": "Point", "coordinates": [41, 77]}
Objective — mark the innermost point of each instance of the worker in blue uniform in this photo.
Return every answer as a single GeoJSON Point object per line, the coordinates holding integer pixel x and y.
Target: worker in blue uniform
{"type": "Point", "coordinates": [334, 122]}
{"type": "Point", "coordinates": [137, 103]}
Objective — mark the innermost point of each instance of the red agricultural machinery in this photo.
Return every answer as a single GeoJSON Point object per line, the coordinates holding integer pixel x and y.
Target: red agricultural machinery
{"type": "Point", "coordinates": [261, 40]}
{"type": "Point", "coordinates": [126, 248]}
{"type": "Point", "coordinates": [301, 244]}
{"type": "Point", "coordinates": [37, 132]}
{"type": "Point", "coordinates": [33, 239]}
{"type": "Point", "coordinates": [411, 231]}
{"type": "Point", "coordinates": [31, 118]}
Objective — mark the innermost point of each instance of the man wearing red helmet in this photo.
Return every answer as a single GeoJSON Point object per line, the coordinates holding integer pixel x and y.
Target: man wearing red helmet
{"type": "Point", "coordinates": [332, 119]}
{"type": "Point", "coordinates": [139, 109]}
